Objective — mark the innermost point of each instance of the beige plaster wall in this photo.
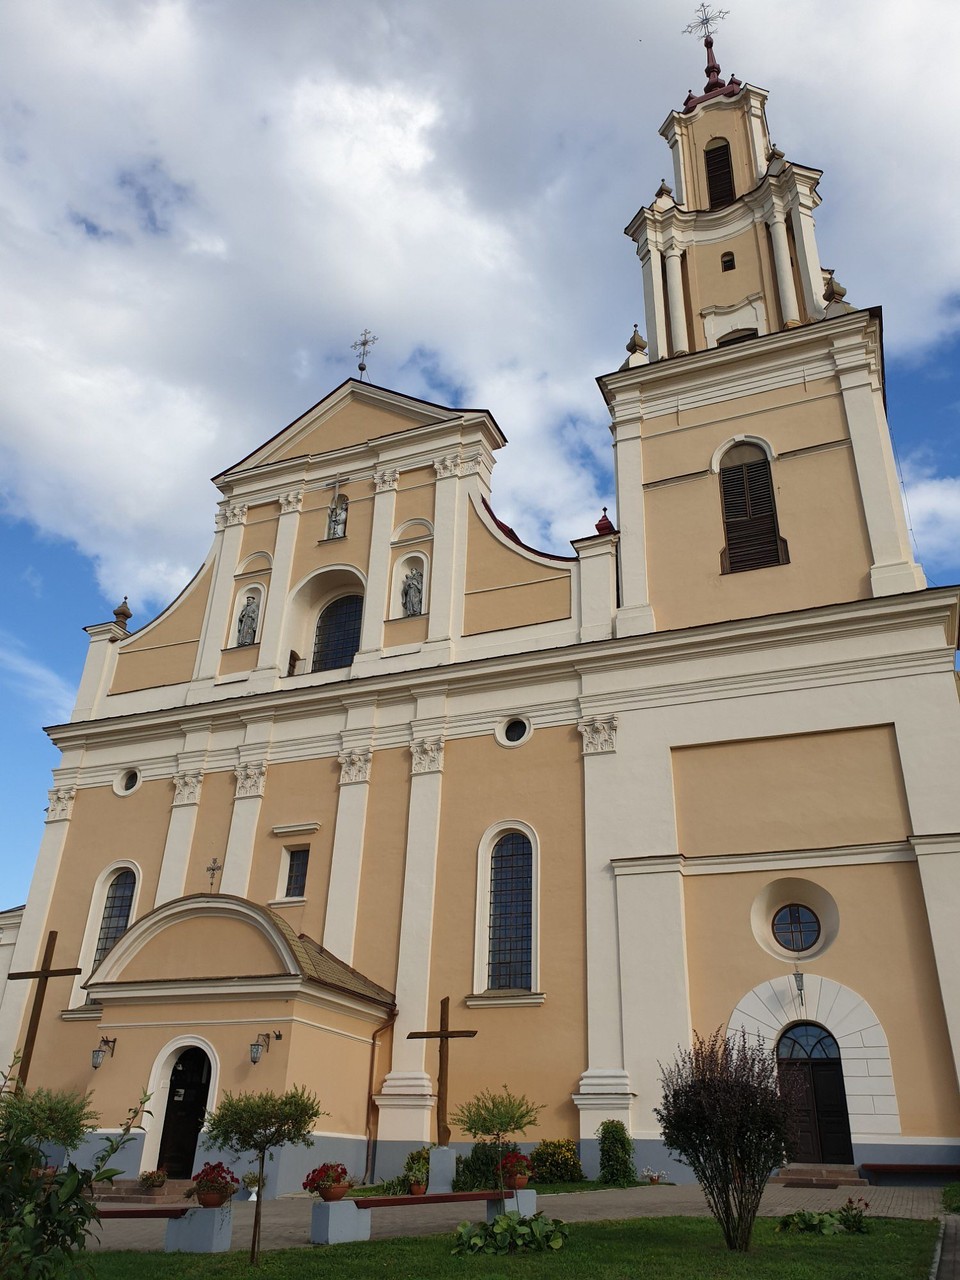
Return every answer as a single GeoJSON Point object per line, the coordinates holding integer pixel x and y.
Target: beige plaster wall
{"type": "Point", "coordinates": [803, 791]}
{"type": "Point", "coordinates": [204, 947]}
{"type": "Point", "coordinates": [381, 878]}
{"type": "Point", "coordinates": [260, 529]}
{"type": "Point", "coordinates": [167, 652]}
{"type": "Point", "coordinates": [405, 631]}
{"type": "Point", "coordinates": [237, 659]}
{"type": "Point", "coordinates": [540, 1051]}
{"type": "Point", "coordinates": [314, 550]}
{"type": "Point", "coordinates": [504, 588]}
{"type": "Point", "coordinates": [351, 424]}
{"type": "Point", "coordinates": [882, 951]}
{"type": "Point", "coordinates": [416, 493]}
{"type": "Point", "coordinates": [213, 825]}
{"type": "Point", "coordinates": [699, 130]}
{"type": "Point", "coordinates": [297, 791]}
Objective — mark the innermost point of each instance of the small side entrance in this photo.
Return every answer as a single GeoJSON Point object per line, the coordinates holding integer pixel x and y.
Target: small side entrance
{"type": "Point", "coordinates": [809, 1057]}
{"type": "Point", "coordinates": [186, 1108]}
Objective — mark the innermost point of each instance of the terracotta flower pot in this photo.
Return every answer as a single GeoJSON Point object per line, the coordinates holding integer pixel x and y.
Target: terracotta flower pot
{"type": "Point", "coordinates": [336, 1191]}
{"type": "Point", "coordinates": [211, 1199]}
{"type": "Point", "coordinates": [517, 1181]}
{"type": "Point", "coordinates": [418, 1188]}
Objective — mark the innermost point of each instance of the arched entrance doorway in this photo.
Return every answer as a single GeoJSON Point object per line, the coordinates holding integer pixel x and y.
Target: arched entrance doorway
{"type": "Point", "coordinates": [186, 1108]}
{"type": "Point", "coordinates": [809, 1057]}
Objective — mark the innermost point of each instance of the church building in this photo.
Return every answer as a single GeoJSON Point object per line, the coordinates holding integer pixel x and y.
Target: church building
{"type": "Point", "coordinates": [699, 773]}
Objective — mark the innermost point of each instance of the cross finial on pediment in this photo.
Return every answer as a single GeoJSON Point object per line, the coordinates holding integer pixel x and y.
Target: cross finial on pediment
{"type": "Point", "coordinates": [705, 22]}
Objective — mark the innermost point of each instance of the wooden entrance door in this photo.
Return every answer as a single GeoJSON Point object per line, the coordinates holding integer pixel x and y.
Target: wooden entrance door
{"type": "Point", "coordinates": [186, 1108]}
{"type": "Point", "coordinates": [810, 1057]}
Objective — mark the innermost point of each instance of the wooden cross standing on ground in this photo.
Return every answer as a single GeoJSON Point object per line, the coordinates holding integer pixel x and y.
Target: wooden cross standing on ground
{"type": "Point", "coordinates": [444, 1035]}
{"type": "Point", "coordinates": [43, 976]}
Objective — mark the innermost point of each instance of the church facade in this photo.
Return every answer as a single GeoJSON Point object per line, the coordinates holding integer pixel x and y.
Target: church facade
{"type": "Point", "coordinates": [700, 773]}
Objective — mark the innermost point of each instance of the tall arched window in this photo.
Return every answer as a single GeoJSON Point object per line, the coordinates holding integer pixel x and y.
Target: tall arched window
{"type": "Point", "coordinates": [749, 511]}
{"type": "Point", "coordinates": [116, 913]}
{"type": "Point", "coordinates": [338, 634]}
{"type": "Point", "coordinates": [720, 187]}
{"type": "Point", "coordinates": [511, 914]}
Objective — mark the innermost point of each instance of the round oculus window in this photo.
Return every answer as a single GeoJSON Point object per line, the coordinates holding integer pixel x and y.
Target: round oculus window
{"type": "Point", "coordinates": [127, 781]}
{"type": "Point", "coordinates": [796, 927]}
{"type": "Point", "coordinates": [515, 730]}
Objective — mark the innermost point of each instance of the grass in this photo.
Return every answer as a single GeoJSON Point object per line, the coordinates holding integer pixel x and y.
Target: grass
{"type": "Point", "coordinates": [642, 1249]}
{"type": "Point", "coordinates": [951, 1197]}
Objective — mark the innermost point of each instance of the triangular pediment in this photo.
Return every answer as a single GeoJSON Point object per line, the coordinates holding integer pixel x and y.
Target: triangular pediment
{"type": "Point", "coordinates": [354, 415]}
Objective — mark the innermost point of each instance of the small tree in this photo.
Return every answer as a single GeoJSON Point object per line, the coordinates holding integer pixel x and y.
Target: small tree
{"type": "Point", "coordinates": [50, 1116]}
{"type": "Point", "coordinates": [258, 1122]}
{"type": "Point", "coordinates": [725, 1116]}
{"type": "Point", "coordinates": [494, 1115]}
{"type": "Point", "coordinates": [616, 1155]}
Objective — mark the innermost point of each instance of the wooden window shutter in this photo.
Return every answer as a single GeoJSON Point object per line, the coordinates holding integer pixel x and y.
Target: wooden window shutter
{"type": "Point", "coordinates": [749, 512]}
{"type": "Point", "coordinates": [719, 174]}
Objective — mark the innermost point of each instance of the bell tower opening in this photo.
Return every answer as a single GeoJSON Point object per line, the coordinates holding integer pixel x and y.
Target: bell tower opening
{"type": "Point", "coordinates": [716, 157]}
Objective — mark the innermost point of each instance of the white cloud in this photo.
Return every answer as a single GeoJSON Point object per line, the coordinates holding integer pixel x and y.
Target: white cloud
{"type": "Point", "coordinates": [26, 678]}
{"type": "Point", "coordinates": [201, 206]}
{"type": "Point", "coordinates": [933, 504]}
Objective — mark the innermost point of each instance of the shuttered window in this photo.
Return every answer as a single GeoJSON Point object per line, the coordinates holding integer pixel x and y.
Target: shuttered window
{"type": "Point", "coordinates": [749, 512]}
{"type": "Point", "coordinates": [719, 174]}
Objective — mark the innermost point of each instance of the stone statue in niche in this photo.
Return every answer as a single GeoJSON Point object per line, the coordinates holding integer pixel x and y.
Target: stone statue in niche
{"type": "Point", "coordinates": [411, 594]}
{"type": "Point", "coordinates": [337, 519]}
{"type": "Point", "coordinates": [247, 622]}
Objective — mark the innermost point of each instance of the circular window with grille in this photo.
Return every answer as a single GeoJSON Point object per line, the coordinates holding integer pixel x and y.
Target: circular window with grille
{"type": "Point", "coordinates": [796, 927]}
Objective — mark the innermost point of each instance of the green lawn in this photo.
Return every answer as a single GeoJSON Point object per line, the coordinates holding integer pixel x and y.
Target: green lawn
{"type": "Point", "coordinates": [643, 1249]}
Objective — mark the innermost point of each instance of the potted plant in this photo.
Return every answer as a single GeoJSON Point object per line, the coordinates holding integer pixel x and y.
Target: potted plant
{"type": "Point", "coordinates": [515, 1170]}
{"type": "Point", "coordinates": [251, 1183]}
{"type": "Point", "coordinates": [214, 1185]}
{"type": "Point", "coordinates": [152, 1181]}
{"type": "Point", "coordinates": [418, 1173]}
{"type": "Point", "coordinates": [653, 1177]}
{"type": "Point", "coordinates": [328, 1181]}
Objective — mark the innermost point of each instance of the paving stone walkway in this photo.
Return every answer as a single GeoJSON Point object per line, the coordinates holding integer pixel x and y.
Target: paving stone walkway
{"type": "Point", "coordinates": [286, 1222]}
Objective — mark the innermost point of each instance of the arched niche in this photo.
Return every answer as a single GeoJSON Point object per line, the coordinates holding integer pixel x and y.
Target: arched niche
{"type": "Point", "coordinates": [307, 601]}
{"type": "Point", "coordinates": [414, 562]}
{"type": "Point", "coordinates": [252, 624]}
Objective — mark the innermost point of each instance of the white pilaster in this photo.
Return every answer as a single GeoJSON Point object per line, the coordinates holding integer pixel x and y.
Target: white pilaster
{"type": "Point", "coordinates": [407, 1101]}
{"type": "Point", "coordinates": [653, 301]}
{"type": "Point", "coordinates": [598, 586]}
{"type": "Point", "coordinates": [33, 929]}
{"type": "Point", "coordinates": [98, 668]}
{"type": "Point", "coordinates": [894, 569]}
{"type": "Point", "coordinates": [270, 634]}
{"type": "Point", "coordinates": [938, 860]}
{"type": "Point", "coordinates": [635, 614]}
{"type": "Point", "coordinates": [811, 273]}
{"type": "Point", "coordinates": [376, 598]}
{"type": "Point", "coordinates": [227, 543]}
{"type": "Point", "coordinates": [675, 301]}
{"type": "Point", "coordinates": [343, 895]}
{"type": "Point", "coordinates": [781, 260]}
{"type": "Point", "coordinates": [443, 622]}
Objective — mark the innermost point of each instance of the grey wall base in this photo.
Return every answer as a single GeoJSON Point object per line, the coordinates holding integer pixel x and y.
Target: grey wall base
{"type": "Point", "coordinates": [290, 1165]}
{"type": "Point", "coordinates": [443, 1166]}
{"type": "Point", "coordinates": [201, 1231]}
{"type": "Point", "coordinates": [127, 1159]}
{"type": "Point", "coordinates": [647, 1153]}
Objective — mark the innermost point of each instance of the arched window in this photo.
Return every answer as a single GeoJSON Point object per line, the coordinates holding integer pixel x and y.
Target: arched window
{"type": "Point", "coordinates": [749, 511]}
{"type": "Point", "coordinates": [728, 262]}
{"type": "Point", "coordinates": [511, 914]}
{"type": "Point", "coordinates": [338, 634]}
{"type": "Point", "coordinates": [116, 913]}
{"type": "Point", "coordinates": [719, 173]}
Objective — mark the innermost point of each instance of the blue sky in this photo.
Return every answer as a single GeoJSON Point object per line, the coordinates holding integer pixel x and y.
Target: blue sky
{"type": "Point", "coordinates": [203, 203]}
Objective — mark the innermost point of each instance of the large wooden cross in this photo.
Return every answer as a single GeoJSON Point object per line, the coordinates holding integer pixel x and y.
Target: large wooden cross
{"type": "Point", "coordinates": [43, 976]}
{"type": "Point", "coordinates": [444, 1035]}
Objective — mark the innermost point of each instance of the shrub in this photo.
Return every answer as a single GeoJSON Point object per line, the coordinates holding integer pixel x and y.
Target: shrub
{"type": "Point", "coordinates": [49, 1116]}
{"type": "Point", "coordinates": [556, 1160]}
{"type": "Point", "coordinates": [852, 1215]}
{"type": "Point", "coordinates": [478, 1170]}
{"type": "Point", "coordinates": [725, 1116]}
{"type": "Point", "coordinates": [849, 1217]}
{"type": "Point", "coordinates": [509, 1233]}
{"type": "Point", "coordinates": [616, 1155]}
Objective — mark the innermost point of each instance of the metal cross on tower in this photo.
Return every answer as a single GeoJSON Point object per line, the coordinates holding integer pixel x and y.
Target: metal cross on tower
{"type": "Point", "coordinates": [362, 346]}
{"type": "Point", "coordinates": [705, 22]}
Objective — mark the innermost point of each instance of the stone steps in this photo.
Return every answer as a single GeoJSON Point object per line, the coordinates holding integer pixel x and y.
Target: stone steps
{"type": "Point", "coordinates": [826, 1176]}
{"type": "Point", "coordinates": [129, 1191]}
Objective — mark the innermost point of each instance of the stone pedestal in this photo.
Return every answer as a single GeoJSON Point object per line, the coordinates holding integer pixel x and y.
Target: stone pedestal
{"type": "Point", "coordinates": [338, 1221]}
{"type": "Point", "coordinates": [201, 1231]}
{"type": "Point", "coordinates": [443, 1166]}
{"type": "Point", "coordinates": [524, 1202]}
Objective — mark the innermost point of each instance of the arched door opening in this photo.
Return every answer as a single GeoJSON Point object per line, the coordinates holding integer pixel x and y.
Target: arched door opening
{"type": "Point", "coordinates": [186, 1109]}
{"type": "Point", "coordinates": [809, 1056]}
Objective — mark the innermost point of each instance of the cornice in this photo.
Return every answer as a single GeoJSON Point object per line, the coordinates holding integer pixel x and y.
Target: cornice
{"type": "Point", "coordinates": [779, 860]}
{"type": "Point", "coordinates": [936, 607]}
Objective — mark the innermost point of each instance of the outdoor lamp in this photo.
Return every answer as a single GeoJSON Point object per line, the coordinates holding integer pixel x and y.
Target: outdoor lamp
{"type": "Point", "coordinates": [798, 980]}
{"type": "Point", "coordinates": [262, 1042]}
{"type": "Point", "coordinates": [97, 1055]}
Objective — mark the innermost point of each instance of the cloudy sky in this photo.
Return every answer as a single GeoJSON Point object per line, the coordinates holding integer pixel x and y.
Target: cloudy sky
{"type": "Point", "coordinates": [203, 203]}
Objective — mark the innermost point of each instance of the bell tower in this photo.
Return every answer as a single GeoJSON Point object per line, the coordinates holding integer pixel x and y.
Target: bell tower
{"type": "Point", "coordinates": [755, 471]}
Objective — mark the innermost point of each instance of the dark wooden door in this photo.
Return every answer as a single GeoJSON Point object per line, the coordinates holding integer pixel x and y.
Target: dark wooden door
{"type": "Point", "coordinates": [186, 1108]}
{"type": "Point", "coordinates": [810, 1066]}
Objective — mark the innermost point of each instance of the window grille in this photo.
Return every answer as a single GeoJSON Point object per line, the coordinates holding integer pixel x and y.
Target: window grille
{"type": "Point", "coordinates": [116, 913]}
{"type": "Point", "coordinates": [338, 634]}
{"type": "Point", "coordinates": [511, 914]}
{"type": "Point", "coordinates": [297, 873]}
